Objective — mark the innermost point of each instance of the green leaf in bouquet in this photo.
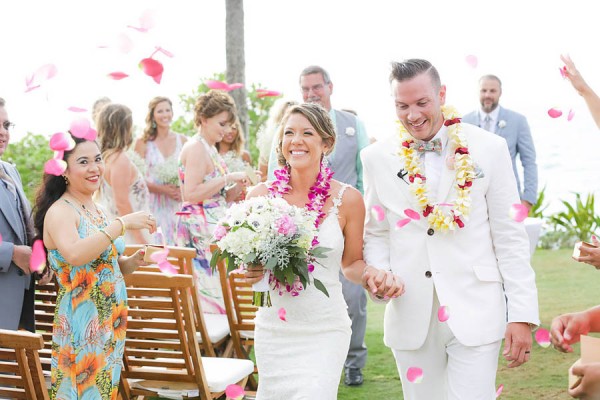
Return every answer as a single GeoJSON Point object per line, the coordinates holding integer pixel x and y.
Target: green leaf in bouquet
{"type": "Point", "coordinates": [249, 258]}
{"type": "Point", "coordinates": [319, 285]}
{"type": "Point", "coordinates": [231, 264]}
{"type": "Point", "coordinates": [304, 281]}
{"type": "Point", "coordinates": [319, 252]}
{"type": "Point", "coordinates": [215, 258]}
{"type": "Point", "coordinates": [290, 276]}
{"type": "Point", "coordinates": [271, 264]}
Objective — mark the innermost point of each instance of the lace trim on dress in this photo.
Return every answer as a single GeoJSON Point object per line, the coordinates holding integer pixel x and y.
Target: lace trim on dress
{"type": "Point", "coordinates": [337, 202]}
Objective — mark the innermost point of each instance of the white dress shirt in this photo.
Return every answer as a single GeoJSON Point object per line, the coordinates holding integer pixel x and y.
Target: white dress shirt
{"type": "Point", "coordinates": [433, 164]}
{"type": "Point", "coordinates": [493, 119]}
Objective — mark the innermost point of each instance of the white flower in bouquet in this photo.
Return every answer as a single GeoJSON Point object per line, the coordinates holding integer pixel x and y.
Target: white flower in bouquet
{"type": "Point", "coordinates": [234, 162]}
{"type": "Point", "coordinates": [167, 172]}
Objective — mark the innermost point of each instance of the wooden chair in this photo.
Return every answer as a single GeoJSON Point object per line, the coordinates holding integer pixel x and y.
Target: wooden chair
{"type": "Point", "coordinates": [21, 374]}
{"type": "Point", "coordinates": [240, 313]}
{"type": "Point", "coordinates": [45, 304]}
{"type": "Point", "coordinates": [161, 356]}
{"type": "Point", "coordinates": [213, 329]}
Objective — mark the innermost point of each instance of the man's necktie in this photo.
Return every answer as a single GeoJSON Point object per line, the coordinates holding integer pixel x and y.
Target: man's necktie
{"type": "Point", "coordinates": [10, 184]}
{"type": "Point", "coordinates": [434, 145]}
{"type": "Point", "coordinates": [487, 123]}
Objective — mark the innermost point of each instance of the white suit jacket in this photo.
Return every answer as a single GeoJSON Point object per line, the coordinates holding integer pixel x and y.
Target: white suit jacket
{"type": "Point", "coordinates": [481, 272]}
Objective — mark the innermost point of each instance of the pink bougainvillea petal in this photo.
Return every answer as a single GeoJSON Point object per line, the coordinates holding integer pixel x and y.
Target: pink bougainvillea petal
{"type": "Point", "coordinates": [30, 88]}
{"type": "Point", "coordinates": [164, 51]}
{"type": "Point", "coordinates": [499, 390]}
{"type": "Point", "coordinates": [234, 86]}
{"type": "Point", "coordinates": [414, 375]}
{"type": "Point", "coordinates": [281, 313]}
{"type": "Point", "coordinates": [378, 213]}
{"type": "Point", "coordinates": [45, 72]}
{"type": "Point", "coordinates": [443, 314]}
{"type": "Point", "coordinates": [570, 115]}
{"type": "Point", "coordinates": [80, 127]}
{"type": "Point", "coordinates": [234, 392]}
{"type": "Point", "coordinates": [0, 239]}
{"type": "Point", "coordinates": [402, 222]}
{"type": "Point", "coordinates": [91, 135]}
{"type": "Point", "coordinates": [59, 154]}
{"type": "Point", "coordinates": [412, 214]}
{"type": "Point", "coordinates": [160, 258]}
{"type": "Point", "coordinates": [152, 68]}
{"type": "Point", "coordinates": [61, 141]}
{"type": "Point", "coordinates": [117, 75]}
{"type": "Point", "coordinates": [37, 262]}
{"type": "Point", "coordinates": [542, 337]}
{"type": "Point", "coordinates": [76, 109]}
{"type": "Point", "coordinates": [518, 212]}
{"type": "Point", "coordinates": [471, 61]}
{"type": "Point", "coordinates": [554, 113]}
{"type": "Point", "coordinates": [267, 93]}
{"type": "Point", "coordinates": [217, 85]}
{"type": "Point", "coordinates": [157, 78]}
{"type": "Point", "coordinates": [146, 22]}
{"type": "Point", "coordinates": [55, 167]}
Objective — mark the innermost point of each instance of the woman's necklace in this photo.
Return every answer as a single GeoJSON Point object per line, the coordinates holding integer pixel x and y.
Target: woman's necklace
{"type": "Point", "coordinates": [97, 218]}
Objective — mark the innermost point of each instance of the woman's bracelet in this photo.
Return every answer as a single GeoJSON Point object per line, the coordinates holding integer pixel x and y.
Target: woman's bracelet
{"type": "Point", "coordinates": [123, 228]}
{"type": "Point", "coordinates": [107, 235]}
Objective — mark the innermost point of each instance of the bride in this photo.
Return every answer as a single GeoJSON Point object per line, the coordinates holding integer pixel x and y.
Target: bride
{"type": "Point", "coordinates": [301, 355]}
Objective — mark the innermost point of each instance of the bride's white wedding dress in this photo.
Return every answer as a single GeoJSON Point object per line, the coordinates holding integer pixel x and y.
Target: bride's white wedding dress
{"type": "Point", "coordinates": [303, 357]}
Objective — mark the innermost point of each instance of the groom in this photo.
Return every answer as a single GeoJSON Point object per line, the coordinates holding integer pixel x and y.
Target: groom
{"type": "Point", "coordinates": [440, 196]}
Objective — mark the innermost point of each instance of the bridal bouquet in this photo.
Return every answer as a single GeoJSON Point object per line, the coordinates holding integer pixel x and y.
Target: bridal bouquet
{"type": "Point", "coordinates": [272, 233]}
{"type": "Point", "coordinates": [167, 172]}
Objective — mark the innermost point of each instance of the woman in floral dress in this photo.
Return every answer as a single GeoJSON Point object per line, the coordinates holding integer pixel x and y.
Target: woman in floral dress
{"type": "Point", "coordinates": [160, 147]}
{"type": "Point", "coordinates": [84, 250]}
{"type": "Point", "coordinates": [207, 186]}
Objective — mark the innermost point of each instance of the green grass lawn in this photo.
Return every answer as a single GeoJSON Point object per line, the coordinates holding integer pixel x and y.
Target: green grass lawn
{"type": "Point", "coordinates": [563, 285]}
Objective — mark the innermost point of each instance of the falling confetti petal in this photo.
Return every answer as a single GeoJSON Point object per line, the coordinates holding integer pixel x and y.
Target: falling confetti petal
{"type": "Point", "coordinates": [91, 135]}
{"type": "Point", "coordinates": [76, 109]}
{"type": "Point", "coordinates": [0, 239]}
{"type": "Point", "coordinates": [563, 71]}
{"type": "Point", "coordinates": [124, 43]}
{"type": "Point", "coordinates": [234, 86]}
{"type": "Point", "coordinates": [378, 213]}
{"type": "Point", "coordinates": [412, 214]}
{"type": "Point", "coordinates": [571, 115]}
{"type": "Point", "coordinates": [165, 52]}
{"type": "Point", "coordinates": [471, 60]}
{"type": "Point", "coordinates": [542, 337]}
{"type": "Point", "coordinates": [146, 22]}
{"type": "Point", "coordinates": [55, 167]}
{"type": "Point", "coordinates": [518, 212]}
{"type": "Point", "coordinates": [80, 127]}
{"type": "Point", "coordinates": [152, 68]}
{"type": "Point", "coordinates": [402, 222]}
{"type": "Point", "coordinates": [281, 312]}
{"type": "Point", "coordinates": [37, 262]}
{"type": "Point", "coordinates": [61, 141]}
{"type": "Point", "coordinates": [414, 375]}
{"type": "Point", "coordinates": [117, 75]}
{"type": "Point", "coordinates": [267, 93]}
{"type": "Point", "coordinates": [42, 74]}
{"type": "Point", "coordinates": [554, 113]}
{"type": "Point", "coordinates": [218, 85]}
{"type": "Point", "coordinates": [234, 392]}
{"type": "Point", "coordinates": [443, 314]}
{"type": "Point", "coordinates": [160, 258]}
{"type": "Point", "coordinates": [500, 389]}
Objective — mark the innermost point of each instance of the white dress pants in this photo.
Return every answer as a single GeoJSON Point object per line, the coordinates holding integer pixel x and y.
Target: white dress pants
{"type": "Point", "coordinates": [451, 371]}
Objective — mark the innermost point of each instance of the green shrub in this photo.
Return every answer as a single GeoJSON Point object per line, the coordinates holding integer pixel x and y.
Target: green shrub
{"type": "Point", "coordinates": [579, 220]}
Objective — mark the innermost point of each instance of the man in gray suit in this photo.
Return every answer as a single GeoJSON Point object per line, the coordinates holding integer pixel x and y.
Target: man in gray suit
{"type": "Point", "coordinates": [17, 286]}
{"type": "Point", "coordinates": [511, 126]}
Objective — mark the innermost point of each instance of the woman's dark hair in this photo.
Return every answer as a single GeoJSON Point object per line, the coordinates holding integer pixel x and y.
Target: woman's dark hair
{"type": "Point", "coordinates": [50, 190]}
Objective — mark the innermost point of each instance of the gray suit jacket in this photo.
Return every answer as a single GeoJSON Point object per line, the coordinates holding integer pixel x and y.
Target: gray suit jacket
{"type": "Point", "coordinates": [518, 137]}
{"type": "Point", "coordinates": [16, 288]}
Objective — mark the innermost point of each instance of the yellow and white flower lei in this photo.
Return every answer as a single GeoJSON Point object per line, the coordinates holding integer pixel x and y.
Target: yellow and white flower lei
{"type": "Point", "coordinates": [464, 174]}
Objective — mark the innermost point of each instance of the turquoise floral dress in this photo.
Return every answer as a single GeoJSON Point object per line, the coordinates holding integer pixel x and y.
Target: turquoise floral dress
{"type": "Point", "coordinates": [90, 320]}
{"type": "Point", "coordinates": [195, 226]}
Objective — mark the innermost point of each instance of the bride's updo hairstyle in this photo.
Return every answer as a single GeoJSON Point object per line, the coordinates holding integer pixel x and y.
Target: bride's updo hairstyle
{"type": "Point", "coordinates": [212, 103]}
{"type": "Point", "coordinates": [319, 119]}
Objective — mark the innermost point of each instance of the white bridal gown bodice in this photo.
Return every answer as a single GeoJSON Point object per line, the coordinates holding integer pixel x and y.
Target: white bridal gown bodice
{"type": "Point", "coordinates": [303, 357]}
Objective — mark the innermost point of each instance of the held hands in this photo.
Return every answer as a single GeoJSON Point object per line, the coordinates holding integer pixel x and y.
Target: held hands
{"type": "Point", "coordinates": [172, 191]}
{"type": "Point", "coordinates": [588, 387]}
{"type": "Point", "coordinates": [130, 264]}
{"type": "Point", "coordinates": [517, 343]}
{"type": "Point", "coordinates": [140, 220]}
{"type": "Point", "coordinates": [590, 255]}
{"type": "Point", "coordinates": [382, 284]}
{"type": "Point", "coordinates": [567, 328]}
{"type": "Point", "coordinates": [21, 257]}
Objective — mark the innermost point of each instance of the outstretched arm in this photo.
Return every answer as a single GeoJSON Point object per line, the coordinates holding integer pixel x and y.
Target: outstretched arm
{"type": "Point", "coordinates": [591, 98]}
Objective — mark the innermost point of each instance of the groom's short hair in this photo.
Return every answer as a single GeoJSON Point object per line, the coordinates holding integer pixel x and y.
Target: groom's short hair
{"type": "Point", "coordinates": [408, 69]}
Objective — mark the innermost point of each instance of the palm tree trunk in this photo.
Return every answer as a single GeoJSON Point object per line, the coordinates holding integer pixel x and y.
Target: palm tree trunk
{"type": "Point", "coordinates": [236, 59]}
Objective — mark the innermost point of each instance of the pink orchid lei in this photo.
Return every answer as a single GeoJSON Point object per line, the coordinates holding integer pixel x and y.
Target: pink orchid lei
{"type": "Point", "coordinates": [317, 197]}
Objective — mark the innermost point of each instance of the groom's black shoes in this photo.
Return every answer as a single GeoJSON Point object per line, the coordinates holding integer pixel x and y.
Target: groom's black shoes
{"type": "Point", "coordinates": [353, 377]}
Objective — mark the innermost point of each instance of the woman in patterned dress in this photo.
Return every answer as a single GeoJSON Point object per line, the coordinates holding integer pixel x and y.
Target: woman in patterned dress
{"type": "Point", "coordinates": [207, 186]}
{"type": "Point", "coordinates": [84, 251]}
{"type": "Point", "coordinates": [159, 147]}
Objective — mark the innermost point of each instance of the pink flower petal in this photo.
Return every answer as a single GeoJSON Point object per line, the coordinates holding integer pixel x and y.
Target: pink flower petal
{"type": "Point", "coordinates": [500, 389]}
{"type": "Point", "coordinates": [217, 85]}
{"type": "Point", "coordinates": [61, 141]}
{"type": "Point", "coordinates": [30, 88]}
{"type": "Point", "coordinates": [157, 78]}
{"type": "Point", "coordinates": [267, 93]}
{"type": "Point", "coordinates": [414, 375]}
{"type": "Point", "coordinates": [159, 256]}
{"type": "Point", "coordinates": [471, 60]}
{"type": "Point", "coordinates": [563, 71]}
{"type": "Point", "coordinates": [234, 392]}
{"type": "Point", "coordinates": [234, 86]}
{"type": "Point", "coordinates": [542, 337]}
{"type": "Point", "coordinates": [37, 262]}
{"type": "Point", "coordinates": [0, 239]}
{"type": "Point", "coordinates": [378, 213]}
{"type": "Point", "coordinates": [76, 109]}
{"type": "Point", "coordinates": [165, 52]}
{"type": "Point", "coordinates": [402, 222]}
{"type": "Point", "coordinates": [80, 127]}
{"type": "Point", "coordinates": [518, 212]}
{"type": "Point", "coordinates": [55, 167]}
{"type": "Point", "coordinates": [571, 115]}
{"type": "Point", "coordinates": [554, 113]}
{"type": "Point", "coordinates": [91, 135]}
{"type": "Point", "coordinates": [152, 67]}
{"type": "Point", "coordinates": [124, 43]}
{"type": "Point", "coordinates": [281, 312]}
{"type": "Point", "coordinates": [443, 314]}
{"type": "Point", "coordinates": [167, 268]}
{"type": "Point", "coordinates": [412, 214]}
{"type": "Point", "coordinates": [45, 72]}
{"type": "Point", "coordinates": [117, 75]}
